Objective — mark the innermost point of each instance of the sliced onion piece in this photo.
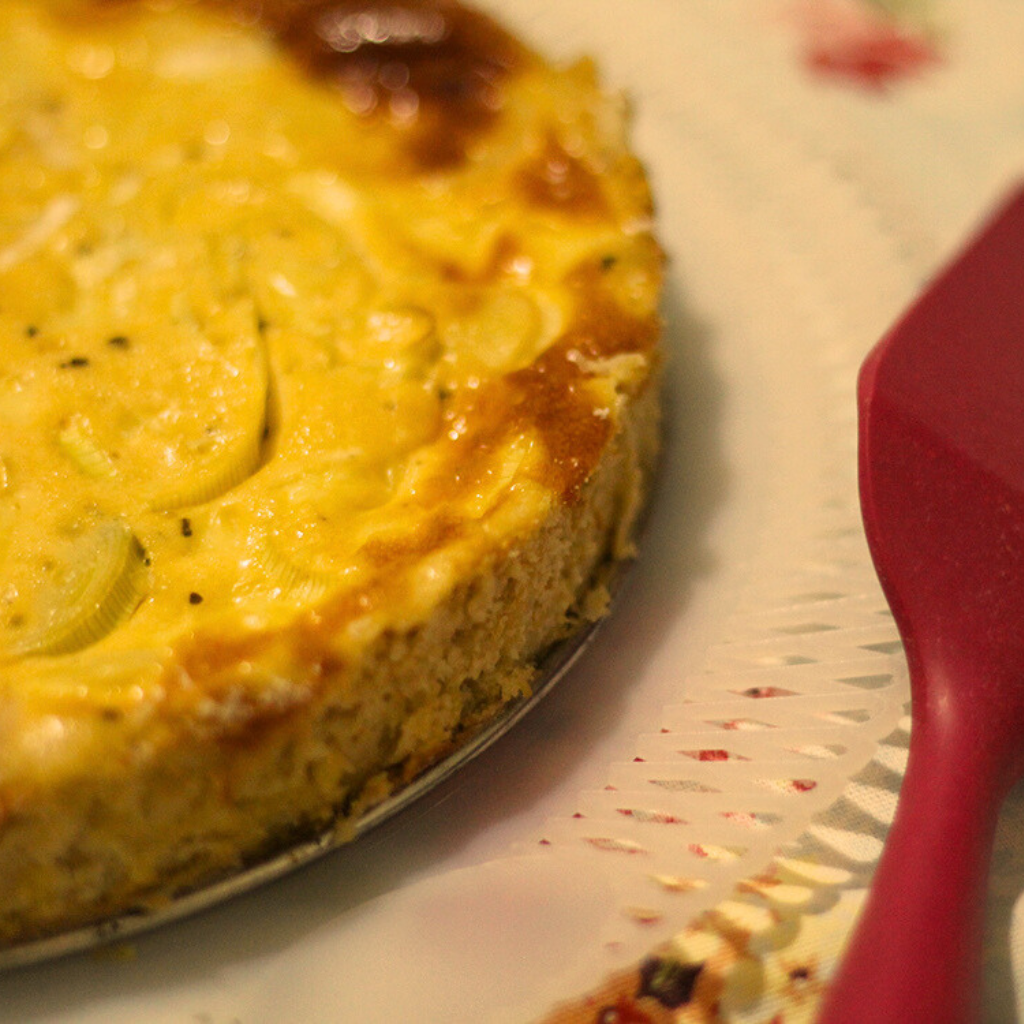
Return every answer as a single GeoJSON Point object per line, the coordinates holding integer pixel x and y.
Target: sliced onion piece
{"type": "Point", "coordinates": [100, 583]}
{"type": "Point", "coordinates": [75, 440]}
{"type": "Point", "coordinates": [221, 437]}
{"type": "Point", "coordinates": [296, 582]}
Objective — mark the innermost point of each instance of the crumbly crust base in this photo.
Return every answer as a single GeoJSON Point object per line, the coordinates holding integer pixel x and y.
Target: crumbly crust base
{"type": "Point", "coordinates": [191, 811]}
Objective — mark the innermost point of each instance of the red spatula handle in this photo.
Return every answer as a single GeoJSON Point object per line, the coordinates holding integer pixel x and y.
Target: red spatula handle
{"type": "Point", "coordinates": [915, 956]}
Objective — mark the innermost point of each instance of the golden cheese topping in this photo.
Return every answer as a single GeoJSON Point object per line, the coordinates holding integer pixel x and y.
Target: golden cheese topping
{"type": "Point", "coordinates": [301, 301]}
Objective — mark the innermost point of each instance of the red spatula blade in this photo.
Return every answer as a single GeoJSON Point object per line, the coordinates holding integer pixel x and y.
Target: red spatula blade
{"type": "Point", "coordinates": [942, 490]}
{"type": "Point", "coordinates": [942, 462]}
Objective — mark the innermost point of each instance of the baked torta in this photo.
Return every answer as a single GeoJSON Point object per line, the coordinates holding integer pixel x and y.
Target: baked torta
{"type": "Point", "coordinates": [328, 358]}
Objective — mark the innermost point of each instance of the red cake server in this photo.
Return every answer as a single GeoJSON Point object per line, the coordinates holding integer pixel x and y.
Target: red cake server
{"type": "Point", "coordinates": [941, 402]}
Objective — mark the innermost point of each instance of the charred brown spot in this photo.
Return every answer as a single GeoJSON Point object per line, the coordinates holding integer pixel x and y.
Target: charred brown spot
{"type": "Point", "coordinates": [558, 406]}
{"type": "Point", "coordinates": [555, 180]}
{"type": "Point", "coordinates": [432, 68]}
{"type": "Point", "coordinates": [549, 398]}
{"type": "Point", "coordinates": [500, 263]}
{"type": "Point", "coordinates": [406, 547]}
{"type": "Point", "coordinates": [601, 327]}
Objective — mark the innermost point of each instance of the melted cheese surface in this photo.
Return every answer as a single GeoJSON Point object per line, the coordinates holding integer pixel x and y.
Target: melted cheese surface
{"type": "Point", "coordinates": [265, 346]}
